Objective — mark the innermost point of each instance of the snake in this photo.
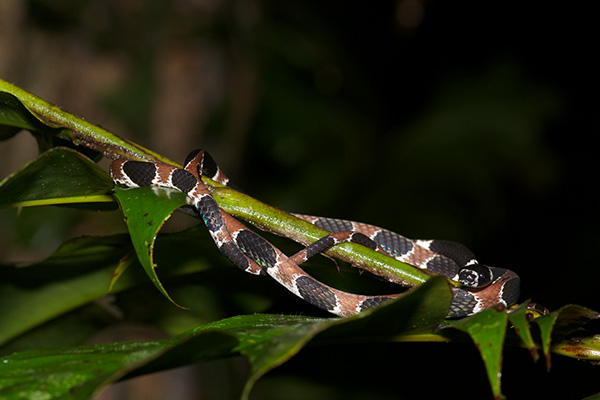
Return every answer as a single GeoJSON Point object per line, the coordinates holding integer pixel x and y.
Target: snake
{"type": "Point", "coordinates": [481, 287]}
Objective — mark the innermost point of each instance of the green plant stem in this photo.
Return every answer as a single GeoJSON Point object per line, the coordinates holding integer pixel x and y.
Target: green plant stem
{"type": "Point", "coordinates": [81, 132]}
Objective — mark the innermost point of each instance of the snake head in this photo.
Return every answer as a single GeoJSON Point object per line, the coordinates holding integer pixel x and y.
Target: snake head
{"type": "Point", "coordinates": [475, 275]}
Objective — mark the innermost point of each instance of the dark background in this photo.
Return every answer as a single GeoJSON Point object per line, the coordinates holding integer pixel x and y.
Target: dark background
{"type": "Point", "coordinates": [465, 120]}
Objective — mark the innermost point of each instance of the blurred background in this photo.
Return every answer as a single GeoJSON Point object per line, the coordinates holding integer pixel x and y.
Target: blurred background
{"type": "Point", "coordinates": [468, 120]}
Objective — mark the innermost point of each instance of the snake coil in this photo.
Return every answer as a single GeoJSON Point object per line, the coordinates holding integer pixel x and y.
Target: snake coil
{"type": "Point", "coordinates": [483, 287]}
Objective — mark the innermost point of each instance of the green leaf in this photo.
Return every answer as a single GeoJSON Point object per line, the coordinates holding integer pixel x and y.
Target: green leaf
{"type": "Point", "coordinates": [14, 116]}
{"type": "Point", "coordinates": [80, 272]}
{"type": "Point", "coordinates": [419, 311]}
{"type": "Point", "coordinates": [558, 324]}
{"type": "Point", "coordinates": [270, 340]}
{"type": "Point", "coordinates": [518, 317]}
{"type": "Point", "coordinates": [83, 134]}
{"type": "Point", "coordinates": [146, 210]}
{"type": "Point", "coordinates": [76, 373]}
{"type": "Point", "coordinates": [571, 319]}
{"type": "Point", "coordinates": [266, 341]}
{"type": "Point", "coordinates": [70, 278]}
{"type": "Point", "coordinates": [546, 323]}
{"type": "Point", "coordinates": [569, 327]}
{"type": "Point", "coordinates": [81, 372]}
{"type": "Point", "coordinates": [76, 274]}
{"type": "Point", "coordinates": [58, 176]}
{"type": "Point", "coordinates": [487, 330]}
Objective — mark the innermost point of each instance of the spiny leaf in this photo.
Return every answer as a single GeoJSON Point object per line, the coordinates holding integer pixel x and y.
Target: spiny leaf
{"type": "Point", "coordinates": [146, 210]}
{"type": "Point", "coordinates": [518, 317]}
{"type": "Point", "coordinates": [487, 330]}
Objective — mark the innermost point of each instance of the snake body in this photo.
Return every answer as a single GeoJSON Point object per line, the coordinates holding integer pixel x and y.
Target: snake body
{"type": "Point", "coordinates": [483, 287]}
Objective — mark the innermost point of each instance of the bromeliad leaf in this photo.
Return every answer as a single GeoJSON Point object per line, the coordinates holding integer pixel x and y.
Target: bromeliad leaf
{"type": "Point", "coordinates": [146, 210]}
